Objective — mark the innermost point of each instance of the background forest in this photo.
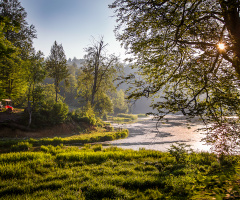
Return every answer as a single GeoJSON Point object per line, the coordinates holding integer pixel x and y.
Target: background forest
{"type": "Point", "coordinates": [51, 86]}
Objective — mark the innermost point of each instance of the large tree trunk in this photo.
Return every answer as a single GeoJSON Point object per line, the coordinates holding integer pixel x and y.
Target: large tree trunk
{"type": "Point", "coordinates": [56, 90]}
{"type": "Point", "coordinates": [230, 12]}
{"type": "Point", "coordinates": [96, 69]}
{"type": "Point", "coordinates": [94, 87]}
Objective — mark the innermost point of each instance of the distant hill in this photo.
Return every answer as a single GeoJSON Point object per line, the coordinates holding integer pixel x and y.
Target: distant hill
{"type": "Point", "coordinates": [78, 62]}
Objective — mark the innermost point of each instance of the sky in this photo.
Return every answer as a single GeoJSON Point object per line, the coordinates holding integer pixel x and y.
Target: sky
{"type": "Point", "coordinates": [73, 23]}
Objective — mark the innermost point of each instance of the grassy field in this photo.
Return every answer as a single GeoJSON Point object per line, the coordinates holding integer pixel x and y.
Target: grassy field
{"type": "Point", "coordinates": [60, 172]}
{"type": "Point", "coordinates": [79, 139]}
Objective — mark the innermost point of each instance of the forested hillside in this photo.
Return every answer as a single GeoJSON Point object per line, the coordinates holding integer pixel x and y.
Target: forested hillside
{"type": "Point", "coordinates": [47, 86]}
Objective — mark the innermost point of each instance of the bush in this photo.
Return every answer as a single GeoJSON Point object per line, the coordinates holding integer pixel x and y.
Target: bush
{"type": "Point", "coordinates": [85, 114]}
{"type": "Point", "coordinates": [180, 152]}
{"type": "Point", "coordinates": [48, 113]}
{"type": "Point", "coordinates": [59, 112]}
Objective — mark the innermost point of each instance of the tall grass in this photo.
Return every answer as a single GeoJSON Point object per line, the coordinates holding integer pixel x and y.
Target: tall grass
{"type": "Point", "coordinates": [129, 116]}
{"type": "Point", "coordinates": [24, 145]}
{"type": "Point", "coordinates": [141, 115]}
{"type": "Point", "coordinates": [92, 172]}
{"type": "Point", "coordinates": [122, 117]}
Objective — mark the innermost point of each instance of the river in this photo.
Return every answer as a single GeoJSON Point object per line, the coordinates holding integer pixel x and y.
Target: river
{"type": "Point", "coordinates": [144, 134]}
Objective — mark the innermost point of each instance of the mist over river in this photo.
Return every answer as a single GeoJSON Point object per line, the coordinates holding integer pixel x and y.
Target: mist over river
{"type": "Point", "coordinates": [144, 134]}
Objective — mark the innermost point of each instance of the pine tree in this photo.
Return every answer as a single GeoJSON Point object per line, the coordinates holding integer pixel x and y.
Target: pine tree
{"type": "Point", "coordinates": [56, 65]}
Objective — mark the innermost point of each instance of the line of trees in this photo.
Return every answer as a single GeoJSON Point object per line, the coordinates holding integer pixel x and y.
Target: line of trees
{"type": "Point", "coordinates": [23, 71]}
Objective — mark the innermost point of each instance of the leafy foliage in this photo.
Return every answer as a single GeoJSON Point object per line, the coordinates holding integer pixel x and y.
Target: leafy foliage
{"type": "Point", "coordinates": [45, 110]}
{"type": "Point", "coordinates": [11, 70]}
{"type": "Point", "coordinates": [96, 78]}
{"type": "Point", "coordinates": [50, 113]}
{"type": "Point", "coordinates": [22, 34]}
{"type": "Point", "coordinates": [36, 73]}
{"type": "Point", "coordinates": [175, 47]}
{"type": "Point", "coordinates": [120, 104]}
{"type": "Point", "coordinates": [16, 44]}
{"type": "Point", "coordinates": [86, 114]}
{"type": "Point", "coordinates": [180, 152]}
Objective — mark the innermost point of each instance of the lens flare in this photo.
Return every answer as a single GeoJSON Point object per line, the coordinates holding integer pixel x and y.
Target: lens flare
{"type": "Point", "coordinates": [221, 46]}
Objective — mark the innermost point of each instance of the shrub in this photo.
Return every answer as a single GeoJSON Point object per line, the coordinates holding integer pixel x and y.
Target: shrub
{"type": "Point", "coordinates": [58, 113]}
{"type": "Point", "coordinates": [180, 152]}
{"type": "Point", "coordinates": [85, 114]}
{"type": "Point", "coordinates": [49, 113]}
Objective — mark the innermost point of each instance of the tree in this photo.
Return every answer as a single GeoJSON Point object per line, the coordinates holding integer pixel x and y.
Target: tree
{"type": "Point", "coordinates": [7, 52]}
{"type": "Point", "coordinates": [47, 111]}
{"type": "Point", "coordinates": [188, 53]}
{"type": "Point", "coordinates": [12, 74]}
{"type": "Point", "coordinates": [56, 65]}
{"type": "Point", "coordinates": [119, 102]}
{"type": "Point", "coordinates": [16, 18]}
{"type": "Point", "coordinates": [16, 39]}
{"type": "Point", "coordinates": [36, 74]}
{"type": "Point", "coordinates": [97, 74]}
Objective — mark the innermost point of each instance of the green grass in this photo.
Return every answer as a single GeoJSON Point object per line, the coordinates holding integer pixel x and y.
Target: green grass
{"type": "Point", "coordinates": [141, 115]}
{"type": "Point", "coordinates": [81, 139]}
{"type": "Point", "coordinates": [122, 117]}
{"type": "Point", "coordinates": [60, 172]}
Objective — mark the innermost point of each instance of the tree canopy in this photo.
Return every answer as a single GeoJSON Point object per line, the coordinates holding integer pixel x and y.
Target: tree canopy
{"type": "Point", "coordinates": [21, 33]}
{"type": "Point", "coordinates": [97, 75]}
{"type": "Point", "coordinates": [16, 44]}
{"type": "Point", "coordinates": [176, 47]}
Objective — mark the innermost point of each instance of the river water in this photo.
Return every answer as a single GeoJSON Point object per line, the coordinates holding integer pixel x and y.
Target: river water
{"type": "Point", "coordinates": [144, 134]}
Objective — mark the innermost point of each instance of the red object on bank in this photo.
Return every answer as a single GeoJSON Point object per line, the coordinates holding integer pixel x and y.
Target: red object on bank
{"type": "Point", "coordinates": [9, 107]}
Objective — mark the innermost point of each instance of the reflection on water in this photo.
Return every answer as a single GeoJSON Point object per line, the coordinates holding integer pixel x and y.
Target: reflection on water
{"type": "Point", "coordinates": [144, 134]}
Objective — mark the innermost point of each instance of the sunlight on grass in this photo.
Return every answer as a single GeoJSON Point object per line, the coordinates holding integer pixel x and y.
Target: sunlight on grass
{"type": "Point", "coordinates": [63, 172]}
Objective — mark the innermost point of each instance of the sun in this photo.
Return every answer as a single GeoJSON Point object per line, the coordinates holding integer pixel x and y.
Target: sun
{"type": "Point", "coordinates": [221, 46]}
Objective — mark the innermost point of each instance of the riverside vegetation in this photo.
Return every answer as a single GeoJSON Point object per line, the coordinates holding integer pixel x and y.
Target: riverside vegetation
{"type": "Point", "coordinates": [125, 118]}
{"type": "Point", "coordinates": [204, 85]}
{"type": "Point", "coordinates": [94, 172]}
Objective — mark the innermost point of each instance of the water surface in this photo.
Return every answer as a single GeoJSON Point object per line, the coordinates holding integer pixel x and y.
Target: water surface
{"type": "Point", "coordinates": [144, 134]}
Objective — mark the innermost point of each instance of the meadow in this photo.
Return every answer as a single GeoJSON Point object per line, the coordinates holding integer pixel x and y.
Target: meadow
{"type": "Point", "coordinates": [93, 172]}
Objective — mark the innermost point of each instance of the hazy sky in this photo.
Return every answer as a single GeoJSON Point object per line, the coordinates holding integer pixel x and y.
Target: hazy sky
{"type": "Point", "coordinates": [72, 23]}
